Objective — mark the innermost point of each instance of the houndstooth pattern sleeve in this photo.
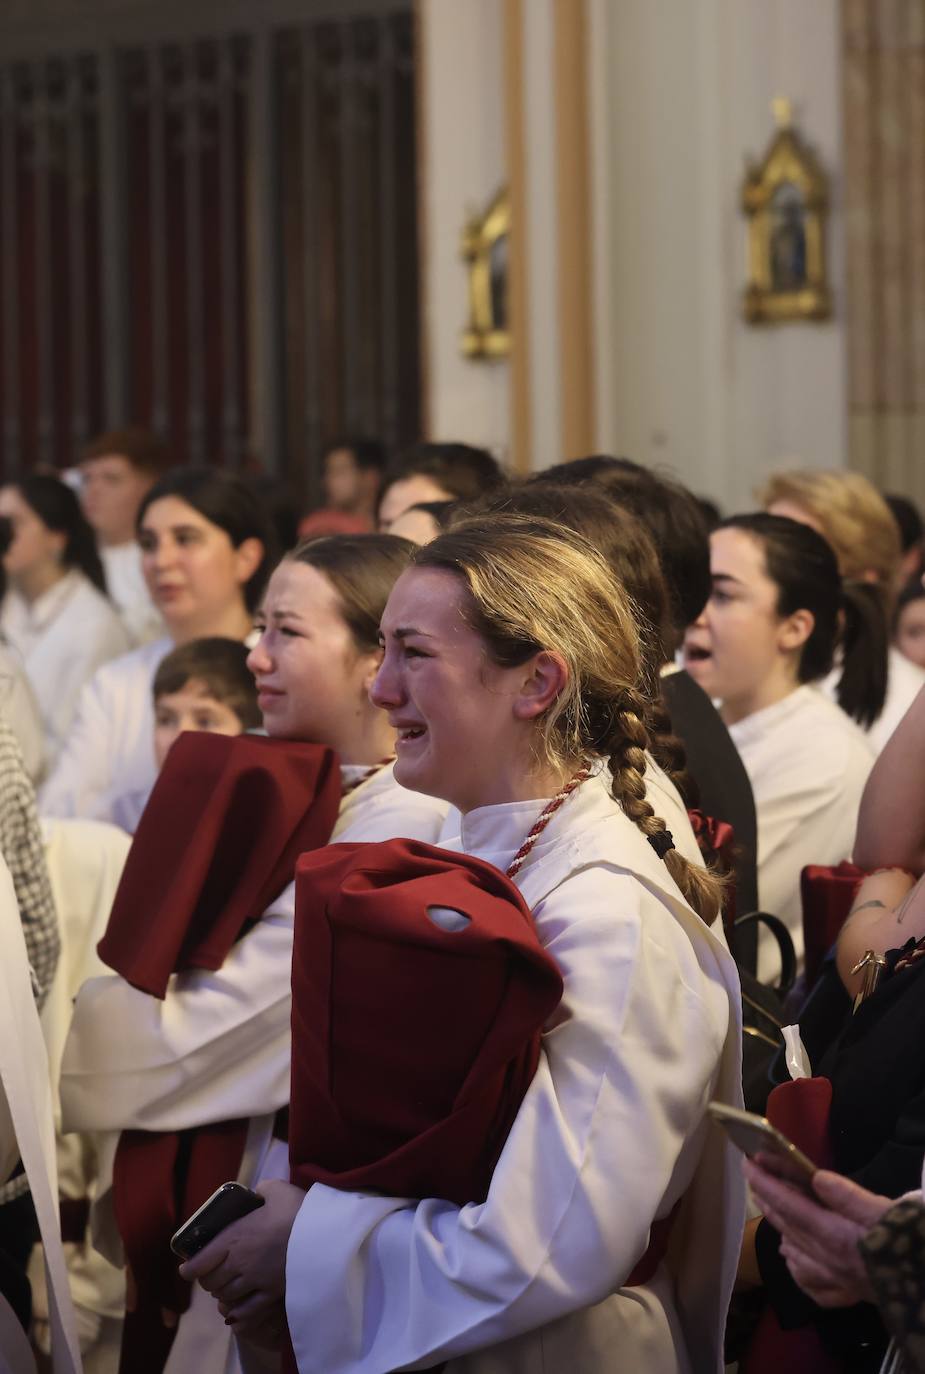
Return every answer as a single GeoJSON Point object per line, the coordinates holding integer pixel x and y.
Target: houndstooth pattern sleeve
{"type": "Point", "coordinates": [22, 848]}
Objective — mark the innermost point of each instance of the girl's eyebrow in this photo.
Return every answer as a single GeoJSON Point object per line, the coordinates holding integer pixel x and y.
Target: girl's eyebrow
{"type": "Point", "coordinates": [281, 613]}
{"type": "Point", "coordinates": [403, 631]}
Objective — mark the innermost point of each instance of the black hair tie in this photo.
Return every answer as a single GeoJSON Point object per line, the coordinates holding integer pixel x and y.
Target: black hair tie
{"type": "Point", "coordinates": [661, 842]}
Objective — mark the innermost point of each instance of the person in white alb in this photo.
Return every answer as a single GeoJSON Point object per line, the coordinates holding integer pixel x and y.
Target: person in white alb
{"type": "Point", "coordinates": [55, 613]}
{"type": "Point", "coordinates": [509, 705]}
{"type": "Point", "coordinates": [763, 642]}
{"type": "Point", "coordinates": [218, 1045]}
{"type": "Point", "coordinates": [206, 553]}
{"type": "Point", "coordinates": [848, 511]}
{"type": "Point", "coordinates": [117, 470]}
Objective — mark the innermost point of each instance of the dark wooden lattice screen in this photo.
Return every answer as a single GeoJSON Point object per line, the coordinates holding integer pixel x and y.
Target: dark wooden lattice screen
{"type": "Point", "coordinates": [214, 236]}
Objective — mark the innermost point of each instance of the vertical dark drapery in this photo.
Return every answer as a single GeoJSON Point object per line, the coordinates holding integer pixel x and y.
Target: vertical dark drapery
{"type": "Point", "coordinates": [214, 236]}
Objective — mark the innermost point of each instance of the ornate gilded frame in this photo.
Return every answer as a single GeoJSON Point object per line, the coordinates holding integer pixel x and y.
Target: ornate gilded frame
{"type": "Point", "coordinates": [485, 241]}
{"type": "Point", "coordinates": [786, 200]}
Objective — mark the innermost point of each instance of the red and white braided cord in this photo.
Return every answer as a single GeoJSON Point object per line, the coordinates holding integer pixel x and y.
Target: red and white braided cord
{"type": "Point", "coordinates": [543, 819]}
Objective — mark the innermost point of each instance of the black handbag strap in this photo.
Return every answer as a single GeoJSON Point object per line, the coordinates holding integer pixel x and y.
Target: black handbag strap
{"type": "Point", "coordinates": [788, 956]}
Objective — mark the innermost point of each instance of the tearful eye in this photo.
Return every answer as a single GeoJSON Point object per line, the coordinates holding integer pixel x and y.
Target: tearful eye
{"type": "Point", "coordinates": [445, 918]}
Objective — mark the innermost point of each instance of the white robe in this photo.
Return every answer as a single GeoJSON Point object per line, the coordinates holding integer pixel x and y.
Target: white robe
{"type": "Point", "coordinates": [21, 712]}
{"type": "Point", "coordinates": [110, 747]}
{"type": "Point", "coordinates": [63, 638]}
{"type": "Point", "coordinates": [807, 763]}
{"type": "Point", "coordinates": [611, 1134]}
{"type": "Point", "coordinates": [216, 1048]}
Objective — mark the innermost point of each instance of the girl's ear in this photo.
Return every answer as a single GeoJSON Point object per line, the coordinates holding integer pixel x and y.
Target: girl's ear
{"type": "Point", "coordinates": [796, 629]}
{"type": "Point", "coordinates": [545, 678]}
{"type": "Point", "coordinates": [372, 662]}
{"type": "Point", "coordinates": [247, 559]}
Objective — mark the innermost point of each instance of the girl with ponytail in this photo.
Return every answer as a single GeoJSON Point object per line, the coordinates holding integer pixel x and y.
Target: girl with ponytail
{"type": "Point", "coordinates": [762, 646]}
{"type": "Point", "coordinates": [610, 1230]}
{"type": "Point", "coordinates": [869, 679]}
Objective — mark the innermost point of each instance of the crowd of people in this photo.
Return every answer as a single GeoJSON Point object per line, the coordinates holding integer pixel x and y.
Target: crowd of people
{"type": "Point", "coordinates": [391, 861]}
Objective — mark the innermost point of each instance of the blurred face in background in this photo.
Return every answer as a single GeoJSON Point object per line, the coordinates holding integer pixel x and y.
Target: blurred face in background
{"type": "Point", "coordinates": [417, 525]}
{"type": "Point", "coordinates": [400, 495]}
{"type": "Point", "coordinates": [347, 485]}
{"type": "Point", "coordinates": [193, 707]}
{"type": "Point", "coordinates": [910, 630]}
{"type": "Point", "coordinates": [34, 548]}
{"type": "Point", "coordinates": [111, 490]}
{"type": "Point", "coordinates": [194, 573]}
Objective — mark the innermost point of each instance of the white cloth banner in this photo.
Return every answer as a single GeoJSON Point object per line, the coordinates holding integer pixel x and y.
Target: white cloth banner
{"type": "Point", "coordinates": [27, 1125]}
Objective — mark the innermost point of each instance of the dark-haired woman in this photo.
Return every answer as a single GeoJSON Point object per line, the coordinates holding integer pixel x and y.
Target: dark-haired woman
{"type": "Point", "coordinates": [766, 636]}
{"type": "Point", "coordinates": [204, 548]}
{"type": "Point", "coordinates": [55, 614]}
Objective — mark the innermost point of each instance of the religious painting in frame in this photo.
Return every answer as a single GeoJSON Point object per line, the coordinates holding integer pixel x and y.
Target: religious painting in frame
{"type": "Point", "coordinates": [485, 249]}
{"type": "Point", "coordinates": [785, 199]}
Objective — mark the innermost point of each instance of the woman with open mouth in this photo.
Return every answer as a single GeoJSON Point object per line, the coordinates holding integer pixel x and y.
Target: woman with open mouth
{"type": "Point", "coordinates": [765, 640]}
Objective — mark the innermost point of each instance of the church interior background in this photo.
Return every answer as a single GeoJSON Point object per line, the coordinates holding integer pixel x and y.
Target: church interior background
{"type": "Point", "coordinates": [242, 224]}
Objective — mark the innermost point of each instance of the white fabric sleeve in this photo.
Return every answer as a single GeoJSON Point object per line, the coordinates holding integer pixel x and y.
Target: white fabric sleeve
{"type": "Point", "coordinates": [89, 647]}
{"type": "Point", "coordinates": [82, 773]}
{"type": "Point", "coordinates": [607, 1138]}
{"type": "Point", "coordinates": [217, 1046]}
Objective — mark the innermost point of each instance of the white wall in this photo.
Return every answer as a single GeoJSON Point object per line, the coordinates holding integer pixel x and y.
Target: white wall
{"type": "Point", "coordinates": [681, 95]}
{"type": "Point", "coordinates": [463, 165]}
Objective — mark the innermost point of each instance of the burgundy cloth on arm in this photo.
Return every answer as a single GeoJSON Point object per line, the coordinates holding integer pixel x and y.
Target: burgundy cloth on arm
{"type": "Point", "coordinates": [826, 896]}
{"type": "Point", "coordinates": [218, 842]}
{"type": "Point", "coordinates": [413, 1042]}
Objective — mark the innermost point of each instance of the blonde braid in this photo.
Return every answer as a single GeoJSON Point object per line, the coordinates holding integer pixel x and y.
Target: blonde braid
{"type": "Point", "coordinates": [668, 750]}
{"type": "Point", "coordinates": [701, 887]}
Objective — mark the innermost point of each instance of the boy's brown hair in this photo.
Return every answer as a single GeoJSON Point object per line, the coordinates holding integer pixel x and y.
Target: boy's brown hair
{"type": "Point", "coordinates": [221, 666]}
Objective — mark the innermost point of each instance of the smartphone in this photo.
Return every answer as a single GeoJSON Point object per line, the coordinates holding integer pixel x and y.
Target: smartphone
{"type": "Point", "coordinates": [755, 1135]}
{"type": "Point", "coordinates": [228, 1203]}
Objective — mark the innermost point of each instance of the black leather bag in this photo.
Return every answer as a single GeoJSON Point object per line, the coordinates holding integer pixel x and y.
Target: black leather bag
{"type": "Point", "coordinates": [763, 1016]}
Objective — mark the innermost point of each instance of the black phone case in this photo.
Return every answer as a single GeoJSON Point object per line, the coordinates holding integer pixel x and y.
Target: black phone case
{"type": "Point", "coordinates": [228, 1203]}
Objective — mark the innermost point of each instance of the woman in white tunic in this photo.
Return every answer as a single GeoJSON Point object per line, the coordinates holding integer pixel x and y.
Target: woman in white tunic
{"type": "Point", "coordinates": [502, 696]}
{"type": "Point", "coordinates": [206, 552]}
{"type": "Point", "coordinates": [217, 1047]}
{"type": "Point", "coordinates": [56, 614]}
{"type": "Point", "coordinates": [763, 642]}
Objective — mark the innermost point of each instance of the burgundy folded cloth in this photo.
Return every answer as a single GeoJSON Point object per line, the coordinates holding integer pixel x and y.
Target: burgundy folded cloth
{"type": "Point", "coordinates": [419, 995]}
{"type": "Point", "coordinates": [826, 895]}
{"type": "Point", "coordinates": [420, 991]}
{"type": "Point", "coordinates": [800, 1109]}
{"type": "Point", "coordinates": [217, 843]}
